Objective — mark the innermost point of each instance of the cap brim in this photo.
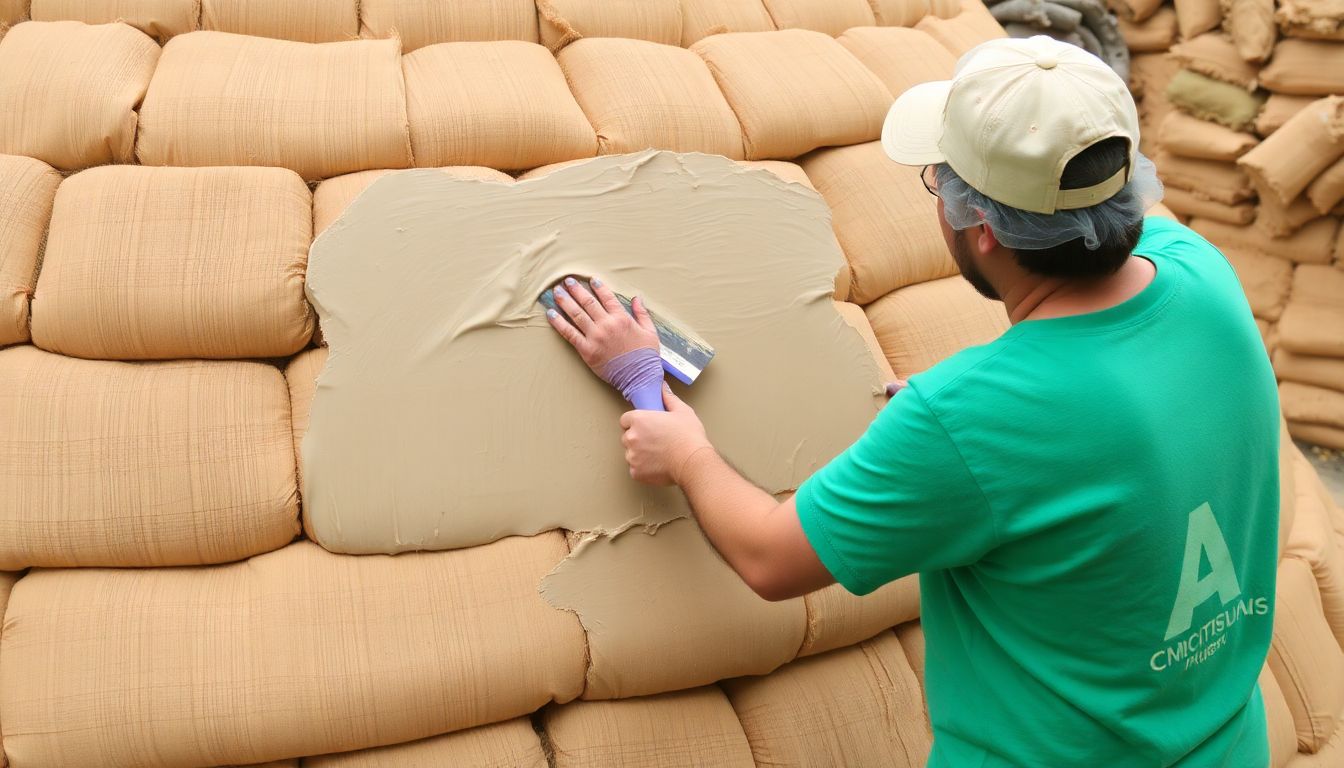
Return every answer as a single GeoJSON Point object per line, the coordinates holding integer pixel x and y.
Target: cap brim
{"type": "Point", "coordinates": [914, 124]}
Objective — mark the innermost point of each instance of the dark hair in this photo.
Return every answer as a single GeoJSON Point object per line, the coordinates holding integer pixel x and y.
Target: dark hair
{"type": "Point", "coordinates": [1072, 259]}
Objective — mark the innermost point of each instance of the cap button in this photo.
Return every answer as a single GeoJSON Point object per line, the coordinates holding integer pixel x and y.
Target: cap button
{"type": "Point", "coordinates": [1046, 61]}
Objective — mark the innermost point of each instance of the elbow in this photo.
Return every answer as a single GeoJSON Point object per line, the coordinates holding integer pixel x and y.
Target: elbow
{"type": "Point", "coordinates": [768, 584]}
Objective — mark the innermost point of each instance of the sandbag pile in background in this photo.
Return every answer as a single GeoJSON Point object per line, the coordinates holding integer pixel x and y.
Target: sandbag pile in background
{"type": "Point", "coordinates": [1240, 111]}
{"type": "Point", "coordinates": [159, 361]}
{"type": "Point", "coordinates": [1084, 23]}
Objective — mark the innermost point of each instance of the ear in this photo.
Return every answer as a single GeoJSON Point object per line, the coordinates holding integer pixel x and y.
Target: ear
{"type": "Point", "coordinates": [986, 242]}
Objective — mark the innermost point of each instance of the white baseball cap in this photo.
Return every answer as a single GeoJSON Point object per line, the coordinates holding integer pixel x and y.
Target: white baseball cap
{"type": "Point", "coordinates": [1012, 116]}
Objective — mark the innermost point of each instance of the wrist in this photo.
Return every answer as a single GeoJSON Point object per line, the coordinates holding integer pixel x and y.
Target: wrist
{"type": "Point", "coordinates": [691, 460]}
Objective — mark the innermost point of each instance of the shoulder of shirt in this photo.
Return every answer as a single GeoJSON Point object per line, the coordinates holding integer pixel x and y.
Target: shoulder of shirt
{"type": "Point", "coordinates": [949, 373]}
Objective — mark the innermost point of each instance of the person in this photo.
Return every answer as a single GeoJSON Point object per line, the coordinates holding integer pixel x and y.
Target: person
{"type": "Point", "coordinates": [1090, 500]}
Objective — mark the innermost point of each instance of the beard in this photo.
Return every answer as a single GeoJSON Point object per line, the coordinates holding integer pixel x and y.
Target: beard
{"type": "Point", "coordinates": [961, 254]}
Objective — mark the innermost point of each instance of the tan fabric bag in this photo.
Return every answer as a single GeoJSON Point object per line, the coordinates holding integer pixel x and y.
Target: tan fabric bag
{"type": "Point", "coordinates": [830, 16]}
{"type": "Point", "coordinates": [795, 90]}
{"type": "Point", "coordinates": [564, 21]}
{"type": "Point", "coordinates": [105, 463]}
{"type": "Point", "coordinates": [1327, 190]}
{"type": "Point", "coordinates": [305, 21]}
{"type": "Point", "coordinates": [1156, 33]}
{"type": "Point", "coordinates": [27, 188]}
{"type": "Point", "coordinates": [695, 727]}
{"type": "Point", "coordinates": [1190, 204]}
{"type": "Point", "coordinates": [160, 19]}
{"type": "Point", "coordinates": [1278, 220]}
{"type": "Point", "coordinates": [1210, 179]}
{"type": "Point", "coordinates": [885, 220]}
{"type": "Point", "coordinates": [1305, 68]}
{"type": "Point", "coordinates": [301, 378]}
{"type": "Point", "coordinates": [838, 619]}
{"type": "Point", "coordinates": [1265, 279]}
{"type": "Point", "coordinates": [1317, 19]}
{"type": "Point", "coordinates": [1279, 109]}
{"type": "Point", "coordinates": [1309, 245]}
{"type": "Point", "coordinates": [899, 13]}
{"type": "Point", "coordinates": [945, 9]}
{"type": "Point", "coordinates": [911, 635]}
{"type": "Point", "coordinates": [1289, 160]}
{"type": "Point", "coordinates": [959, 34]}
{"type": "Point", "coordinates": [421, 24]}
{"type": "Point", "coordinates": [170, 263]}
{"type": "Point", "coordinates": [333, 652]}
{"type": "Point", "coordinates": [793, 716]}
{"type": "Point", "coordinates": [1136, 11]}
{"type": "Point", "coordinates": [69, 91]}
{"type": "Point", "coordinates": [501, 104]}
{"type": "Point", "coordinates": [1282, 735]}
{"type": "Point", "coordinates": [510, 744]}
{"type": "Point", "coordinates": [1210, 99]}
{"type": "Point", "coordinates": [334, 195]}
{"type": "Point", "coordinates": [13, 11]}
{"type": "Point", "coordinates": [1187, 136]}
{"type": "Point", "coordinates": [1251, 25]}
{"type": "Point", "coordinates": [641, 95]}
{"type": "Point", "coordinates": [1195, 17]}
{"type": "Point", "coordinates": [921, 324]}
{"type": "Point", "coordinates": [901, 58]}
{"type": "Point", "coordinates": [217, 98]}
{"type": "Point", "coordinates": [1330, 437]}
{"type": "Point", "coordinates": [1317, 371]}
{"type": "Point", "coordinates": [1214, 55]}
{"type": "Point", "coordinates": [1313, 538]}
{"type": "Point", "coordinates": [1313, 321]}
{"type": "Point", "coordinates": [1305, 404]}
{"type": "Point", "coordinates": [702, 18]}
{"type": "Point", "coordinates": [1305, 657]}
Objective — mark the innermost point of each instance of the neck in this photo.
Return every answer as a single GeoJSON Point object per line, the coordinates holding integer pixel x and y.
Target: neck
{"type": "Point", "coordinates": [1028, 297]}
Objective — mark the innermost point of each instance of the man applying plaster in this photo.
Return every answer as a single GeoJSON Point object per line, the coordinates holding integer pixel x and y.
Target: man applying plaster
{"type": "Point", "coordinates": [1090, 500]}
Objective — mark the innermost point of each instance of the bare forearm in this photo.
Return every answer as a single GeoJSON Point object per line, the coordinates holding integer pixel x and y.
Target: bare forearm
{"type": "Point", "coordinates": [732, 512]}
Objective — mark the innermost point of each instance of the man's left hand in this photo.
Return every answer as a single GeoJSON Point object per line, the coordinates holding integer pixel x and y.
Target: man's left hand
{"type": "Point", "coordinates": [659, 445]}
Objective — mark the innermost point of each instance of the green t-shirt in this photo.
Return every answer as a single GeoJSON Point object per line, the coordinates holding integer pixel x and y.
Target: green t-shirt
{"type": "Point", "coordinates": [1092, 505]}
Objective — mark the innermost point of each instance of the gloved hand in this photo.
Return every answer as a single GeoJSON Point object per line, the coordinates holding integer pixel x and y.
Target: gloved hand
{"type": "Point", "coordinates": [622, 350]}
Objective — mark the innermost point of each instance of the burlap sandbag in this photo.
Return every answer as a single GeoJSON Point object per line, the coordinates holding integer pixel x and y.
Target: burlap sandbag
{"type": "Point", "coordinates": [1306, 404]}
{"type": "Point", "coordinates": [1315, 370]}
{"type": "Point", "coordinates": [1306, 659]}
{"type": "Point", "coordinates": [640, 95]}
{"type": "Point", "coordinates": [218, 99]}
{"type": "Point", "coordinates": [959, 34]}
{"type": "Point", "coordinates": [510, 744]}
{"type": "Point", "coordinates": [1327, 190]}
{"type": "Point", "coordinates": [838, 619]}
{"type": "Point", "coordinates": [1251, 25]}
{"type": "Point", "coordinates": [1149, 75]}
{"type": "Point", "coordinates": [106, 463]}
{"type": "Point", "coordinates": [1189, 204]}
{"type": "Point", "coordinates": [27, 188]}
{"type": "Point", "coordinates": [1278, 720]}
{"type": "Point", "coordinates": [1156, 33]}
{"type": "Point", "coordinates": [1214, 55]}
{"type": "Point", "coordinates": [1313, 19]}
{"type": "Point", "coordinates": [1222, 182]}
{"type": "Point", "coordinates": [945, 9]}
{"type": "Point", "coordinates": [1187, 136]}
{"type": "Point", "coordinates": [7, 581]}
{"type": "Point", "coordinates": [421, 24]}
{"type": "Point", "coordinates": [1318, 434]}
{"type": "Point", "coordinates": [1309, 245]}
{"type": "Point", "coordinates": [1279, 109]}
{"type": "Point", "coordinates": [1305, 68]}
{"type": "Point", "coordinates": [901, 58]}
{"type": "Point", "coordinates": [1136, 11]}
{"type": "Point", "coordinates": [169, 263]}
{"type": "Point", "coordinates": [1288, 457]}
{"type": "Point", "coordinates": [305, 21]}
{"type": "Point", "coordinates": [695, 727]}
{"type": "Point", "coordinates": [1210, 99]}
{"type": "Point", "coordinates": [1313, 321]}
{"type": "Point", "coordinates": [830, 16]}
{"type": "Point", "coordinates": [921, 324]}
{"type": "Point", "coordinates": [1265, 279]}
{"type": "Point", "coordinates": [1313, 538]}
{"type": "Point", "coordinates": [1289, 160]}
{"type": "Point", "coordinates": [301, 377]}
{"type": "Point", "coordinates": [501, 104]}
{"type": "Point", "coordinates": [793, 716]}
{"type": "Point", "coordinates": [563, 21]}
{"type": "Point", "coordinates": [335, 653]}
{"type": "Point", "coordinates": [1195, 17]}
{"type": "Point", "coordinates": [160, 19]}
{"type": "Point", "coordinates": [1278, 220]}
{"type": "Point", "coordinates": [899, 13]}
{"type": "Point", "coordinates": [885, 220]}
{"type": "Point", "coordinates": [702, 18]}
{"type": "Point", "coordinates": [795, 90]}
{"type": "Point", "coordinates": [13, 11]}
{"type": "Point", "coordinates": [69, 91]}
{"type": "Point", "coordinates": [334, 195]}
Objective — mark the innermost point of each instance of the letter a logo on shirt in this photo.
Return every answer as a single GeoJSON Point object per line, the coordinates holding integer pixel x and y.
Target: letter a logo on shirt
{"type": "Point", "coordinates": [1203, 536]}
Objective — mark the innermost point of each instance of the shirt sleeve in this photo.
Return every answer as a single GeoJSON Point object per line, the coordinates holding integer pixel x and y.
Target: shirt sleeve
{"type": "Point", "coordinates": [900, 500]}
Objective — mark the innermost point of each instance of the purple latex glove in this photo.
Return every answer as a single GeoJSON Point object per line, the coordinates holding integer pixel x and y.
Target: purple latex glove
{"type": "Point", "coordinates": [638, 376]}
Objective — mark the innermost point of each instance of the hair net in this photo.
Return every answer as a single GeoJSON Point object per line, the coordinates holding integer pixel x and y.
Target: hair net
{"type": "Point", "coordinates": [965, 207]}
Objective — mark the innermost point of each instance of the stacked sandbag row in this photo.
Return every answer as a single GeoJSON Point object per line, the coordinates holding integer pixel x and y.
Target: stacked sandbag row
{"type": "Point", "coordinates": [553, 23]}
{"type": "Point", "coordinates": [1084, 23]}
